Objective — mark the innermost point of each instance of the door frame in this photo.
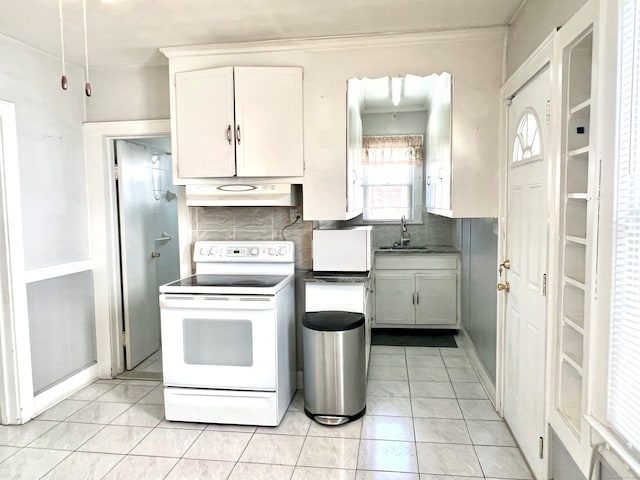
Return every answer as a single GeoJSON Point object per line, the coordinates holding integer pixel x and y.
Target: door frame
{"type": "Point", "coordinates": [16, 386]}
{"type": "Point", "coordinates": [105, 242]}
{"type": "Point", "coordinates": [541, 58]}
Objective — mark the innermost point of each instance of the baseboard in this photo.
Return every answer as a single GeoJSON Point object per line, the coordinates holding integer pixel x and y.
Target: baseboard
{"type": "Point", "coordinates": [464, 341]}
{"type": "Point", "coordinates": [47, 399]}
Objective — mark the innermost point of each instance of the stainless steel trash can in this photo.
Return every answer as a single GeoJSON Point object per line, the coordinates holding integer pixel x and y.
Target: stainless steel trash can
{"type": "Point", "coordinates": [334, 366]}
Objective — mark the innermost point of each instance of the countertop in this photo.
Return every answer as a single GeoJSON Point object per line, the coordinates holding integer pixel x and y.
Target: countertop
{"type": "Point", "coordinates": [430, 250]}
{"type": "Point", "coordinates": [336, 277]}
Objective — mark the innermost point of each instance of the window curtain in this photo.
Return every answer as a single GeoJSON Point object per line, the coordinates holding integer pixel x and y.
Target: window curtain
{"type": "Point", "coordinates": [396, 149]}
{"type": "Point", "coordinates": [624, 348]}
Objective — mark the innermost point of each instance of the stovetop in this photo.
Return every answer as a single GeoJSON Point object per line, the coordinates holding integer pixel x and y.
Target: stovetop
{"type": "Point", "coordinates": [229, 281]}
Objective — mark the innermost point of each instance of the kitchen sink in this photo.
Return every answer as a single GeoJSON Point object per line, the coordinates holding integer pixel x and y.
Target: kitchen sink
{"type": "Point", "coordinates": [404, 248]}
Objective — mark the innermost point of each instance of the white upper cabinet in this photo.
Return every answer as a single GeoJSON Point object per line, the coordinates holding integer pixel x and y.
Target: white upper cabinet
{"type": "Point", "coordinates": [238, 121]}
{"type": "Point", "coordinates": [205, 123]}
{"type": "Point", "coordinates": [355, 170]}
{"type": "Point", "coordinates": [438, 169]}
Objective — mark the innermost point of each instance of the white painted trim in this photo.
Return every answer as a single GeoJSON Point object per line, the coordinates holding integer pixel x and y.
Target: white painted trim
{"type": "Point", "coordinates": [336, 43]}
{"type": "Point", "coordinates": [62, 390]}
{"type": "Point", "coordinates": [55, 271]}
{"type": "Point", "coordinates": [16, 388]}
{"type": "Point", "coordinates": [464, 341]}
{"type": "Point", "coordinates": [616, 445]}
{"type": "Point", "coordinates": [103, 224]}
{"type": "Point", "coordinates": [540, 58]}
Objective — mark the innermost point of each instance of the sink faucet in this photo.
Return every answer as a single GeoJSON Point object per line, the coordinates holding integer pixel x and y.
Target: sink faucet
{"type": "Point", "coordinates": [405, 237]}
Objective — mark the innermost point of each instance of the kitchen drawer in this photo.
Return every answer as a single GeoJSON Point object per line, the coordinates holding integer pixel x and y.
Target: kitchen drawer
{"type": "Point", "coordinates": [416, 262]}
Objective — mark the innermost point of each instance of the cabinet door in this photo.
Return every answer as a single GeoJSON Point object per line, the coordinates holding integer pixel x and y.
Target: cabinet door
{"type": "Point", "coordinates": [437, 299]}
{"type": "Point", "coordinates": [268, 103]}
{"type": "Point", "coordinates": [204, 123]}
{"type": "Point", "coordinates": [394, 298]}
{"type": "Point", "coordinates": [355, 171]}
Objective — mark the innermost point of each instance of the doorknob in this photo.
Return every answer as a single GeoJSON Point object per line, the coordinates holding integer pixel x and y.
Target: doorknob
{"type": "Point", "coordinates": [155, 254]}
{"type": "Point", "coordinates": [505, 265]}
{"type": "Point", "coordinates": [504, 286]}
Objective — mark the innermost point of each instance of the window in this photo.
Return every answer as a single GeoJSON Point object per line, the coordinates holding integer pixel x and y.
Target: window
{"type": "Point", "coordinates": [393, 177]}
{"type": "Point", "coordinates": [623, 408]}
{"type": "Point", "coordinates": [526, 145]}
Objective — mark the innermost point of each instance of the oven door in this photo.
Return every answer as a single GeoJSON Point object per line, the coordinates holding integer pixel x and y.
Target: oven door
{"type": "Point", "coordinates": [219, 341]}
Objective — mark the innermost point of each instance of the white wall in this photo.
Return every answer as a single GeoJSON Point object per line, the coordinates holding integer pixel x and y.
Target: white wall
{"type": "Point", "coordinates": [54, 209]}
{"type": "Point", "coordinates": [474, 58]}
{"type": "Point", "coordinates": [130, 93]}
{"type": "Point", "coordinates": [49, 126]}
{"type": "Point", "coordinates": [532, 24]}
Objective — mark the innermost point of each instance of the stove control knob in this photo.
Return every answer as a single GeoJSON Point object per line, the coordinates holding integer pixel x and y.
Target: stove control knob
{"type": "Point", "coordinates": [272, 251]}
{"type": "Point", "coordinates": [254, 251]}
{"type": "Point", "coordinates": [203, 251]}
{"type": "Point", "coordinates": [213, 251]}
{"type": "Point", "coordinates": [282, 251]}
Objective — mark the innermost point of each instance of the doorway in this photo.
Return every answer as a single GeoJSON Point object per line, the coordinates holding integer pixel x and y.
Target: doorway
{"type": "Point", "coordinates": [148, 242]}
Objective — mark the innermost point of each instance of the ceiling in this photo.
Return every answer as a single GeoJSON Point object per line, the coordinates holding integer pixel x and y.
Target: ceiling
{"type": "Point", "coordinates": [129, 32]}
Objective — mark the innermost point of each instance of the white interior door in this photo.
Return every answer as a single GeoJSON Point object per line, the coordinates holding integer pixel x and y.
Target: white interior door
{"type": "Point", "coordinates": [526, 248]}
{"type": "Point", "coordinates": [136, 199]}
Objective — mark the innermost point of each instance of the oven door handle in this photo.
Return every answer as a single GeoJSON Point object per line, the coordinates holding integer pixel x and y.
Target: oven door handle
{"type": "Point", "coordinates": [218, 302]}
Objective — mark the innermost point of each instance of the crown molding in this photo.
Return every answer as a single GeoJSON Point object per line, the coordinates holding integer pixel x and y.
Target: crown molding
{"type": "Point", "coordinates": [336, 43]}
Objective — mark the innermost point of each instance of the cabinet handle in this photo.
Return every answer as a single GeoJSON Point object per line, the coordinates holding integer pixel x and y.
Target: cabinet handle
{"type": "Point", "coordinates": [238, 134]}
{"type": "Point", "coordinates": [413, 299]}
{"type": "Point", "coordinates": [417, 298]}
{"type": "Point", "coordinates": [429, 180]}
{"type": "Point", "coordinates": [229, 134]}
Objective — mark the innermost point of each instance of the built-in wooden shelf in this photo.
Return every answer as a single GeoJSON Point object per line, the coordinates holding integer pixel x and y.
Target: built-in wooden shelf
{"type": "Point", "coordinates": [575, 324]}
{"type": "Point", "coordinates": [576, 239]}
{"type": "Point", "coordinates": [580, 108]}
{"type": "Point", "coordinates": [578, 196]}
{"type": "Point", "coordinates": [579, 151]}
{"type": "Point", "coordinates": [573, 282]}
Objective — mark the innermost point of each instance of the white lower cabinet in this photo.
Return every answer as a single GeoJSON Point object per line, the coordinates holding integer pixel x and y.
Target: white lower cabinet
{"type": "Point", "coordinates": [394, 298]}
{"type": "Point", "coordinates": [419, 290]}
{"type": "Point", "coordinates": [437, 299]}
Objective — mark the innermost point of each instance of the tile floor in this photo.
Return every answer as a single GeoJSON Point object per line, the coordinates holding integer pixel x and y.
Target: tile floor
{"type": "Point", "coordinates": [428, 418]}
{"type": "Point", "coordinates": [149, 369]}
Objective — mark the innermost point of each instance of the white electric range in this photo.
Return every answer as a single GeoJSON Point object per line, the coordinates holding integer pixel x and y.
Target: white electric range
{"type": "Point", "coordinates": [228, 335]}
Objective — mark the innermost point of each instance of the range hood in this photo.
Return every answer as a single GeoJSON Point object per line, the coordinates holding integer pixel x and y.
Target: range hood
{"type": "Point", "coordinates": [241, 195]}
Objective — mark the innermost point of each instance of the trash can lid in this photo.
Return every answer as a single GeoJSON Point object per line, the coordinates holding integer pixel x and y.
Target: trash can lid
{"type": "Point", "coordinates": [332, 320]}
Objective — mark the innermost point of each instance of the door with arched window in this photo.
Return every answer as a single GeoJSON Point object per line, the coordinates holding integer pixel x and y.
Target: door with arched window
{"type": "Point", "coordinates": [526, 249]}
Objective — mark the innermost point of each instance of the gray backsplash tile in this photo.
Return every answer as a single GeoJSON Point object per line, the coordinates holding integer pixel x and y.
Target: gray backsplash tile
{"type": "Point", "coordinates": [267, 223]}
{"type": "Point", "coordinates": [253, 224]}
{"type": "Point", "coordinates": [254, 235]}
{"type": "Point", "coordinates": [215, 218]}
{"type": "Point", "coordinates": [253, 218]}
{"type": "Point", "coordinates": [434, 230]}
{"type": "Point", "coordinates": [213, 235]}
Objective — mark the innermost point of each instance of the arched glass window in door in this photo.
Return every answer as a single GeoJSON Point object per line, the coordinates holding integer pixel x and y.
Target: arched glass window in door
{"type": "Point", "coordinates": [526, 144]}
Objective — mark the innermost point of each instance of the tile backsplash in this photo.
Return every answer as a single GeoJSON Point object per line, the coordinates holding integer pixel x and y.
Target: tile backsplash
{"type": "Point", "coordinates": [253, 223]}
{"type": "Point", "coordinates": [267, 223]}
{"type": "Point", "coordinates": [434, 230]}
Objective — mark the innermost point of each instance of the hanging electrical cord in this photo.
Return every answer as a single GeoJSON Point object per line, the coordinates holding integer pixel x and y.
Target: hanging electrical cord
{"type": "Point", "coordinates": [287, 226]}
{"type": "Point", "coordinates": [63, 80]}
{"type": "Point", "coordinates": [87, 86]}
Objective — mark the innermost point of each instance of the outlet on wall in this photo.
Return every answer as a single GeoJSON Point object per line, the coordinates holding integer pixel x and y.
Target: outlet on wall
{"type": "Point", "coordinates": [294, 212]}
